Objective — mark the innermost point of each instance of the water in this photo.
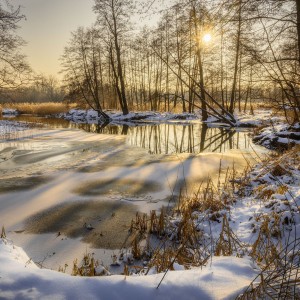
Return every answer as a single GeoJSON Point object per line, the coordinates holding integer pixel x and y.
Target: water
{"type": "Point", "coordinates": [54, 181]}
{"type": "Point", "coordinates": [170, 138]}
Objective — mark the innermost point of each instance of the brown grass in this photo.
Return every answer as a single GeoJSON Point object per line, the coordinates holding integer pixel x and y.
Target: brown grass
{"type": "Point", "coordinates": [42, 109]}
{"type": "Point", "coordinates": [3, 233]}
{"type": "Point", "coordinates": [88, 267]}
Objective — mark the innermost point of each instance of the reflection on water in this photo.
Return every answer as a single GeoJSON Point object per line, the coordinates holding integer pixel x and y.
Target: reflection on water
{"type": "Point", "coordinates": [56, 123]}
{"type": "Point", "coordinates": [194, 138]}
{"type": "Point", "coordinates": [163, 138]}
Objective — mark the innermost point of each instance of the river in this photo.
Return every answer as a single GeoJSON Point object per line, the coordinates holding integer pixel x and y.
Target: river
{"type": "Point", "coordinates": [59, 176]}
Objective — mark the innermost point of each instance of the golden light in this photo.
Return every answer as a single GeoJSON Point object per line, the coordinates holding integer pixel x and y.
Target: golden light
{"type": "Point", "coordinates": [206, 37]}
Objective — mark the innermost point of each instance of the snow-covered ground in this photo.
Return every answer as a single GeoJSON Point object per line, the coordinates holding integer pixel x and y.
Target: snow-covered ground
{"type": "Point", "coordinates": [263, 221]}
{"type": "Point", "coordinates": [267, 197]}
{"type": "Point", "coordinates": [9, 111]}
{"type": "Point", "coordinates": [262, 197]}
{"type": "Point", "coordinates": [279, 136]}
{"type": "Point", "coordinates": [224, 278]}
{"type": "Point", "coordinates": [135, 118]}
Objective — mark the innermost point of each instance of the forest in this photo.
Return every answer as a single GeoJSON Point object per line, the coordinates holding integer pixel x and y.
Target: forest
{"type": "Point", "coordinates": [216, 56]}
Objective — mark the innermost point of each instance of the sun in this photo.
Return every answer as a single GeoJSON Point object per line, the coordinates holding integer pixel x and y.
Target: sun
{"type": "Point", "coordinates": [206, 38]}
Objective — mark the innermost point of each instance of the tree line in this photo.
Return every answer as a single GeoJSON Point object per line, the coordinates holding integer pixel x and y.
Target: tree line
{"type": "Point", "coordinates": [254, 55]}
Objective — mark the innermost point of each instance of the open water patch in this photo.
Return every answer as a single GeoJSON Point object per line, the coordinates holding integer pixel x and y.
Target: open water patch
{"type": "Point", "coordinates": [103, 224]}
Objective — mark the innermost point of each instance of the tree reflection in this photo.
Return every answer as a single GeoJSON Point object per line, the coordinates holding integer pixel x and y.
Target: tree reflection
{"type": "Point", "coordinates": [195, 138]}
{"type": "Point", "coordinates": [161, 138]}
{"type": "Point", "coordinates": [104, 128]}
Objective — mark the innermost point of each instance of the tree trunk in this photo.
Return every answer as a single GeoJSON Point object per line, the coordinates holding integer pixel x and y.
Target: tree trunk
{"type": "Point", "coordinates": [200, 65]}
{"type": "Point", "coordinates": [121, 92]}
{"type": "Point", "coordinates": [298, 26]}
{"type": "Point", "coordinates": [237, 54]}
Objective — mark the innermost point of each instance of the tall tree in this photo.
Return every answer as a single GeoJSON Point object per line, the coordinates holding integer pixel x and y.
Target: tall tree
{"type": "Point", "coordinates": [237, 56]}
{"type": "Point", "coordinates": [82, 67]}
{"type": "Point", "coordinates": [199, 58]}
{"type": "Point", "coordinates": [113, 17]}
{"type": "Point", "coordinates": [278, 49]}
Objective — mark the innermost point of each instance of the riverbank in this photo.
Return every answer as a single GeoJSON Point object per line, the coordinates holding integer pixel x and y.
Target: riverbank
{"type": "Point", "coordinates": [265, 208]}
{"type": "Point", "coordinates": [262, 206]}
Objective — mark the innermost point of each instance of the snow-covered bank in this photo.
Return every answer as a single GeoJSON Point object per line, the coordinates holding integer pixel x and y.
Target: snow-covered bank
{"type": "Point", "coordinates": [90, 116]}
{"type": "Point", "coordinates": [10, 112]}
{"type": "Point", "coordinates": [225, 278]}
{"type": "Point", "coordinates": [281, 136]}
{"type": "Point", "coordinates": [260, 217]}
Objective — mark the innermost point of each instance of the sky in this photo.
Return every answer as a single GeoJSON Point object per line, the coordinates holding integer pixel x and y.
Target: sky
{"type": "Point", "coordinates": [49, 23]}
{"type": "Point", "coordinates": [47, 29]}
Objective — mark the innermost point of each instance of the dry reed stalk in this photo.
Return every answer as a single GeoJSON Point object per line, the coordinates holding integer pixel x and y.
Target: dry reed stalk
{"type": "Point", "coordinates": [279, 280]}
{"type": "Point", "coordinates": [126, 270]}
{"type": "Point", "coordinates": [136, 250]}
{"type": "Point", "coordinates": [88, 267]}
{"type": "Point", "coordinates": [45, 108]}
{"type": "Point", "coordinates": [3, 233]}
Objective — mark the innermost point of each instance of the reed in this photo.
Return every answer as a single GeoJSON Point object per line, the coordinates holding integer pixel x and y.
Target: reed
{"type": "Point", "coordinates": [89, 267]}
{"type": "Point", "coordinates": [276, 249]}
{"type": "Point", "coordinates": [3, 233]}
{"type": "Point", "coordinates": [41, 109]}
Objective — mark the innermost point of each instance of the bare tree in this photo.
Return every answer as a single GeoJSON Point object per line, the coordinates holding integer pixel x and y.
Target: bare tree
{"type": "Point", "coordinates": [113, 17]}
{"type": "Point", "coordinates": [277, 51]}
{"type": "Point", "coordinates": [14, 69]}
{"type": "Point", "coordinates": [81, 64]}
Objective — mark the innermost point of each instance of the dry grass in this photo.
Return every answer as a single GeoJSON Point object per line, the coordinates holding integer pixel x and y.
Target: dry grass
{"type": "Point", "coordinates": [276, 248]}
{"type": "Point", "coordinates": [178, 238]}
{"type": "Point", "coordinates": [228, 242]}
{"type": "Point", "coordinates": [211, 201]}
{"type": "Point", "coordinates": [3, 233]}
{"type": "Point", "coordinates": [183, 243]}
{"type": "Point", "coordinates": [279, 279]}
{"type": "Point", "coordinates": [42, 109]}
{"type": "Point", "coordinates": [89, 267]}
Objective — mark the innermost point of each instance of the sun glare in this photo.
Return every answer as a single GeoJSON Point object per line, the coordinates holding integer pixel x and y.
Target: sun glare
{"type": "Point", "coordinates": [207, 38]}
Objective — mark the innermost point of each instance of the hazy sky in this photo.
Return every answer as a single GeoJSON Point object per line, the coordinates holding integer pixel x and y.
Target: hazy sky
{"type": "Point", "coordinates": [47, 29]}
{"type": "Point", "coordinates": [49, 23]}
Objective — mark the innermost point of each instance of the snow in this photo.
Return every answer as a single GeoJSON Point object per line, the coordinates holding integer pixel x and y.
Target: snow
{"type": "Point", "coordinates": [268, 197]}
{"type": "Point", "coordinates": [133, 118]}
{"type": "Point", "coordinates": [9, 111]}
{"type": "Point", "coordinates": [224, 278]}
{"type": "Point", "coordinates": [259, 118]}
{"type": "Point", "coordinates": [267, 191]}
{"type": "Point", "coordinates": [243, 119]}
{"type": "Point", "coordinates": [279, 135]}
{"type": "Point", "coordinates": [285, 203]}
{"type": "Point", "coordinates": [10, 129]}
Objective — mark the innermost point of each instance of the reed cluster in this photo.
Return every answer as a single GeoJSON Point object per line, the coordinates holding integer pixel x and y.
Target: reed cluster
{"type": "Point", "coordinates": [41, 109]}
